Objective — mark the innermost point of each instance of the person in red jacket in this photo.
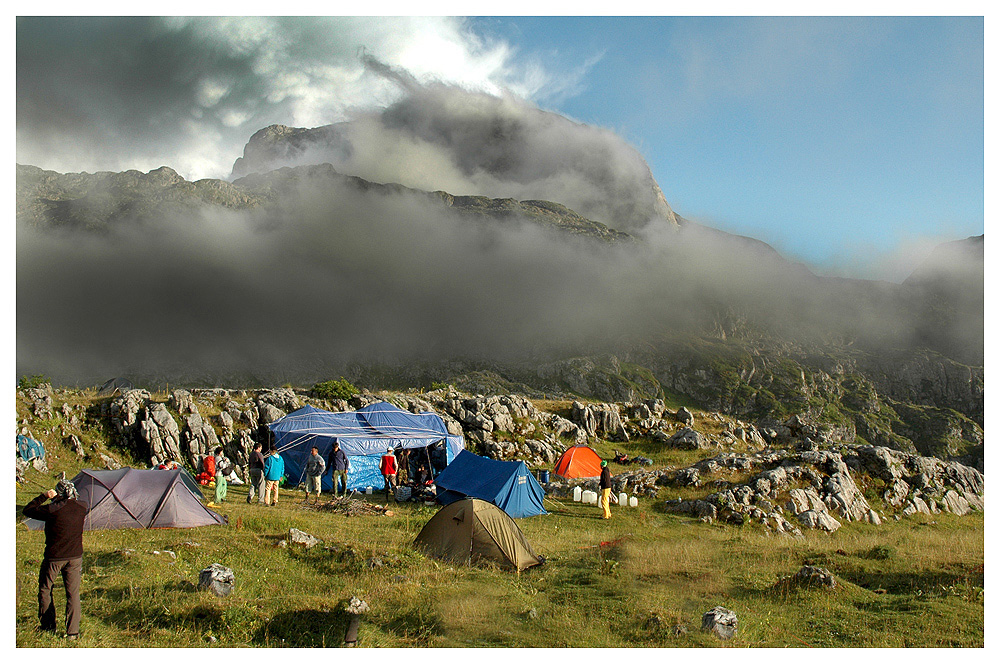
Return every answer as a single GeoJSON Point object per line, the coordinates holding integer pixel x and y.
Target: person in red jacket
{"type": "Point", "coordinates": [63, 518]}
{"type": "Point", "coordinates": [388, 467]}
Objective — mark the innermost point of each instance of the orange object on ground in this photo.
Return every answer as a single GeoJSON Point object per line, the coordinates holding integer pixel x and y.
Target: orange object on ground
{"type": "Point", "coordinates": [579, 462]}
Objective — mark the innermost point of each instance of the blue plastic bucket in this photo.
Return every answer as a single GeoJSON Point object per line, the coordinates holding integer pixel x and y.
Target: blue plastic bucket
{"type": "Point", "coordinates": [543, 476]}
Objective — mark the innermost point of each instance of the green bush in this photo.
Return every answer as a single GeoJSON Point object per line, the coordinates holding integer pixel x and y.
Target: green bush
{"type": "Point", "coordinates": [32, 381]}
{"type": "Point", "coordinates": [340, 389]}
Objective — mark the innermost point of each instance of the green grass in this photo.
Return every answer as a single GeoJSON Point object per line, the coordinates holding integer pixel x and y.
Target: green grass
{"type": "Point", "coordinates": [913, 583]}
{"type": "Point", "coordinates": [917, 582]}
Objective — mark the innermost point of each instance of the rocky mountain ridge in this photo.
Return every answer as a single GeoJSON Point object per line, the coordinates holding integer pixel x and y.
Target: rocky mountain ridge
{"type": "Point", "coordinates": [105, 200]}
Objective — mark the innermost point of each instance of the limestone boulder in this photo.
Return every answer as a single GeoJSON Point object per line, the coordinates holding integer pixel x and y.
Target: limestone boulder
{"type": "Point", "coordinates": [818, 520]}
{"type": "Point", "coordinates": [721, 622]}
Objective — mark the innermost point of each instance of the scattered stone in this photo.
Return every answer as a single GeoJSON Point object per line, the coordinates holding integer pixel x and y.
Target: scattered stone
{"type": "Point", "coordinates": [76, 445]}
{"type": "Point", "coordinates": [688, 439]}
{"type": "Point", "coordinates": [721, 622]}
{"type": "Point", "coordinates": [173, 555]}
{"type": "Point", "coordinates": [302, 538]}
{"type": "Point", "coordinates": [355, 608]}
{"type": "Point", "coordinates": [684, 416]}
{"type": "Point", "coordinates": [814, 576]}
{"type": "Point", "coordinates": [218, 579]}
{"type": "Point", "coordinates": [110, 463]}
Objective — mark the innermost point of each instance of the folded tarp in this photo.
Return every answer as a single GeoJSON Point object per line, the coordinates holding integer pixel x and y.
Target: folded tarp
{"type": "Point", "coordinates": [29, 448]}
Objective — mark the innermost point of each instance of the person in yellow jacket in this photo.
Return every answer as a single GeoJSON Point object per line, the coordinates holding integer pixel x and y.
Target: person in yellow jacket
{"type": "Point", "coordinates": [606, 489]}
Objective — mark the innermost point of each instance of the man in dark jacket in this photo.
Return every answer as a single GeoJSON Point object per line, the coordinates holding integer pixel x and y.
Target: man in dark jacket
{"type": "Point", "coordinates": [339, 464]}
{"type": "Point", "coordinates": [256, 465]}
{"type": "Point", "coordinates": [63, 555]}
{"type": "Point", "coordinates": [606, 489]}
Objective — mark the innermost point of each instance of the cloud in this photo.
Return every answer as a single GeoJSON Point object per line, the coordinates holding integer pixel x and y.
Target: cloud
{"type": "Point", "coordinates": [106, 93]}
{"type": "Point", "coordinates": [440, 136]}
{"type": "Point", "coordinates": [337, 274]}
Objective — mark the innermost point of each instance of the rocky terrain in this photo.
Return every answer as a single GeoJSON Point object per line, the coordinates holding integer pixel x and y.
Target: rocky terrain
{"type": "Point", "coordinates": [783, 477]}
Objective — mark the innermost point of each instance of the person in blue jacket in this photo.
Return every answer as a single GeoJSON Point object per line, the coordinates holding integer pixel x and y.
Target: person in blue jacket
{"type": "Point", "coordinates": [274, 469]}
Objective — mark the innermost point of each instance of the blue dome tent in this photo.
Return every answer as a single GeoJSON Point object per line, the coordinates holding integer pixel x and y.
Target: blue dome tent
{"type": "Point", "coordinates": [508, 485]}
{"type": "Point", "coordinates": [364, 435]}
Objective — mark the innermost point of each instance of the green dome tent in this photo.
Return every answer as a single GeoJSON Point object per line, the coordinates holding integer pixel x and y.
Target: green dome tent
{"type": "Point", "coordinates": [471, 530]}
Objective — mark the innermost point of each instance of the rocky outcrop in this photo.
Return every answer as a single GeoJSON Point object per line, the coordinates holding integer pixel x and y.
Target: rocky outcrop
{"type": "Point", "coordinates": [688, 439]}
{"type": "Point", "coordinates": [601, 420]}
{"type": "Point", "coordinates": [41, 401]}
{"type": "Point", "coordinates": [928, 479]}
{"type": "Point", "coordinates": [160, 432]}
{"type": "Point", "coordinates": [284, 399]}
{"type": "Point", "coordinates": [818, 520]}
{"type": "Point", "coordinates": [124, 410]}
{"type": "Point", "coordinates": [199, 438]}
{"type": "Point", "coordinates": [268, 413]}
{"type": "Point", "coordinates": [533, 452]}
{"type": "Point", "coordinates": [815, 485]}
{"type": "Point", "coordinates": [508, 426]}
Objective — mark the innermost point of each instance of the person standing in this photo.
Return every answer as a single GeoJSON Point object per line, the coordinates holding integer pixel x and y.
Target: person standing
{"type": "Point", "coordinates": [64, 518]}
{"type": "Point", "coordinates": [388, 468]}
{"type": "Point", "coordinates": [274, 469]}
{"type": "Point", "coordinates": [256, 465]}
{"type": "Point", "coordinates": [315, 468]}
{"type": "Point", "coordinates": [221, 469]}
{"type": "Point", "coordinates": [339, 464]}
{"type": "Point", "coordinates": [606, 489]}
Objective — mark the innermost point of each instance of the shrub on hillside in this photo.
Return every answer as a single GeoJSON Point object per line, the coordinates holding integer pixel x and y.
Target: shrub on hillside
{"type": "Point", "coordinates": [339, 389]}
{"type": "Point", "coordinates": [33, 381]}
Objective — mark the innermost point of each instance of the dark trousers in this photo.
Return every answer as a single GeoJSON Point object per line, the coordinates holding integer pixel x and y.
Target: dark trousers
{"type": "Point", "coordinates": [256, 485]}
{"type": "Point", "coordinates": [70, 569]}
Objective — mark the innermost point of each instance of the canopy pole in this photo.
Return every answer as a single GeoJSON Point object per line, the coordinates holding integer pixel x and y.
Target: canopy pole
{"type": "Point", "coordinates": [430, 465]}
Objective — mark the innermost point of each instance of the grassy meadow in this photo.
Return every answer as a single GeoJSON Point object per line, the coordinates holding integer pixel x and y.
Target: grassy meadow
{"type": "Point", "coordinates": [642, 579]}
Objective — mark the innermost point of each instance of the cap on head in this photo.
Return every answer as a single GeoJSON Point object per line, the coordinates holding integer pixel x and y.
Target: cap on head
{"type": "Point", "coordinates": [66, 489]}
{"type": "Point", "coordinates": [604, 463]}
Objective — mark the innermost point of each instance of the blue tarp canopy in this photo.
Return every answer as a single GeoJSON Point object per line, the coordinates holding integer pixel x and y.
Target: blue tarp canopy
{"type": "Point", "coordinates": [509, 485]}
{"type": "Point", "coordinates": [364, 435]}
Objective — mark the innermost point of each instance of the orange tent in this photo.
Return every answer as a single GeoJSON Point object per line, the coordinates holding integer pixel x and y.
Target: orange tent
{"type": "Point", "coordinates": [579, 462]}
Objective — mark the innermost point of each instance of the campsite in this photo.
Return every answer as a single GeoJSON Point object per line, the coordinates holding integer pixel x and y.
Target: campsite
{"type": "Point", "coordinates": [642, 579]}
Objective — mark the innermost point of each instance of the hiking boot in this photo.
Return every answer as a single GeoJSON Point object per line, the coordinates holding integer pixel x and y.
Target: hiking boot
{"type": "Point", "coordinates": [73, 637]}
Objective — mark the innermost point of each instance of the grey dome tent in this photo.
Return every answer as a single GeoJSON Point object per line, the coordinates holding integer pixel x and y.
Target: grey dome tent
{"type": "Point", "coordinates": [140, 499]}
{"type": "Point", "coordinates": [115, 385]}
{"type": "Point", "coordinates": [471, 530]}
